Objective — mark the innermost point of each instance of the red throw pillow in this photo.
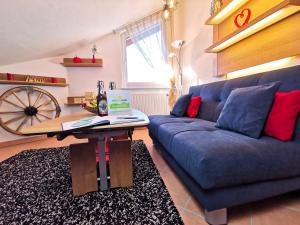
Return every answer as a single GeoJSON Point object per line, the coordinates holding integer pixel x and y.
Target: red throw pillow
{"type": "Point", "coordinates": [283, 116]}
{"type": "Point", "coordinates": [193, 108]}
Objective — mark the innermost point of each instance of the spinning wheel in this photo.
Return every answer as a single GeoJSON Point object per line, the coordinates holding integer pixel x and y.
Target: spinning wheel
{"type": "Point", "coordinates": [25, 106]}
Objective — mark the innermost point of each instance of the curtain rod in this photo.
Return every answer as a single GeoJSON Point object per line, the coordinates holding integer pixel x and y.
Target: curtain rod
{"type": "Point", "coordinates": [136, 21]}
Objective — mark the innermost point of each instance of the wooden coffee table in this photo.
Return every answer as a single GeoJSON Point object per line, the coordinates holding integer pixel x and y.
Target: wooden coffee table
{"type": "Point", "coordinates": [113, 141]}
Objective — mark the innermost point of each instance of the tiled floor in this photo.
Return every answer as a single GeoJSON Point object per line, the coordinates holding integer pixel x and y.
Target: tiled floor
{"type": "Point", "coordinates": [283, 210]}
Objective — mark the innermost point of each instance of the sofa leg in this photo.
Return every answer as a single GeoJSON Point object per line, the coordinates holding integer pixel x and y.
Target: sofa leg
{"type": "Point", "coordinates": [216, 217]}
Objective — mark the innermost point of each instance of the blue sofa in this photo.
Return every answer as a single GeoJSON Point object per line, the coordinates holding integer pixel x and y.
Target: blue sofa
{"type": "Point", "coordinates": [223, 168]}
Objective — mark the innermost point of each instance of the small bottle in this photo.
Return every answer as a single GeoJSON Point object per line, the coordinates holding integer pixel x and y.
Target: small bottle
{"type": "Point", "coordinates": [112, 85]}
{"type": "Point", "coordinates": [101, 99]}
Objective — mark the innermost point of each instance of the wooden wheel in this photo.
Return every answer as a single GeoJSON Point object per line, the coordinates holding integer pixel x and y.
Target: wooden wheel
{"type": "Point", "coordinates": [25, 106]}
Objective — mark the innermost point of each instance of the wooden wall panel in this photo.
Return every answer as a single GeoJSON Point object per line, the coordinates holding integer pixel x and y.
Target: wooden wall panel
{"type": "Point", "coordinates": [216, 33]}
{"type": "Point", "coordinates": [258, 7]}
{"type": "Point", "coordinates": [276, 42]}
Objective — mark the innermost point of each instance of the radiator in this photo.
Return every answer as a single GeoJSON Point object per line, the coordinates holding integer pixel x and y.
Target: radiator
{"type": "Point", "coordinates": [151, 103]}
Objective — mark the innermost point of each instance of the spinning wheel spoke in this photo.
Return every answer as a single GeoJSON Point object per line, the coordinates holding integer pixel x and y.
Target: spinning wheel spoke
{"type": "Point", "coordinates": [38, 119]}
{"type": "Point", "coordinates": [11, 112]}
{"type": "Point", "coordinates": [31, 120]}
{"type": "Point", "coordinates": [37, 99]}
{"type": "Point", "coordinates": [47, 110]}
{"type": "Point", "coordinates": [28, 96]}
{"type": "Point", "coordinates": [13, 120]}
{"type": "Point", "coordinates": [45, 103]}
{"type": "Point", "coordinates": [17, 97]}
{"type": "Point", "coordinates": [11, 103]}
{"type": "Point", "coordinates": [47, 117]}
{"type": "Point", "coordinates": [22, 124]}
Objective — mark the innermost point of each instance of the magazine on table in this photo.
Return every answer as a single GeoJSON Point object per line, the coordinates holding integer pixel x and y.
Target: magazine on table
{"type": "Point", "coordinates": [99, 121]}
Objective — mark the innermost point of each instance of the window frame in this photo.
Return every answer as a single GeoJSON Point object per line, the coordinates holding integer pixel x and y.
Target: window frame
{"type": "Point", "coordinates": [138, 85]}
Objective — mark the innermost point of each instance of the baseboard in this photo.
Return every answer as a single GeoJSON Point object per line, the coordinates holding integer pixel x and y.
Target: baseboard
{"type": "Point", "coordinates": [22, 141]}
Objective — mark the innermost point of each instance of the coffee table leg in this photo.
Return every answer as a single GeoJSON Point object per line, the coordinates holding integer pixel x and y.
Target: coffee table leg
{"type": "Point", "coordinates": [102, 164]}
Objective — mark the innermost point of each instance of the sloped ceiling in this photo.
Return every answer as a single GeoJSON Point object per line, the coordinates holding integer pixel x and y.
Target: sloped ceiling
{"type": "Point", "coordinates": [32, 29]}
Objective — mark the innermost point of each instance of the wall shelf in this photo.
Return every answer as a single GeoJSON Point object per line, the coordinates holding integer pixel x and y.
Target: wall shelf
{"type": "Point", "coordinates": [86, 62]}
{"type": "Point", "coordinates": [270, 17]}
{"type": "Point", "coordinates": [32, 83]}
{"type": "Point", "coordinates": [225, 12]}
{"type": "Point", "coordinates": [21, 79]}
{"type": "Point", "coordinates": [75, 100]}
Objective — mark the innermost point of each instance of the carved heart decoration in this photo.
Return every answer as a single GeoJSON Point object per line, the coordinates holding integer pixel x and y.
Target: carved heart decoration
{"type": "Point", "coordinates": [243, 18]}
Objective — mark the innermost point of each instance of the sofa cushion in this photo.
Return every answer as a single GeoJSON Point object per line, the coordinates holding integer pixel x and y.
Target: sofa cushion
{"type": "Point", "coordinates": [289, 78]}
{"type": "Point", "coordinates": [241, 82]}
{"type": "Point", "coordinates": [181, 105]}
{"type": "Point", "coordinates": [210, 94]}
{"type": "Point", "coordinates": [282, 119]}
{"type": "Point", "coordinates": [208, 110]}
{"type": "Point", "coordinates": [215, 94]}
{"type": "Point", "coordinates": [167, 131]}
{"type": "Point", "coordinates": [157, 120]}
{"type": "Point", "coordinates": [222, 158]}
{"type": "Point", "coordinates": [246, 109]}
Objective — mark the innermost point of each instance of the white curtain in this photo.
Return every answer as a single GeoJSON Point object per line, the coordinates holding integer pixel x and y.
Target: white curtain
{"type": "Point", "coordinates": [148, 36]}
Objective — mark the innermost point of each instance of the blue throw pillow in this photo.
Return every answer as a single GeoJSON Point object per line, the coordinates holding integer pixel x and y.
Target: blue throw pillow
{"type": "Point", "coordinates": [246, 109]}
{"type": "Point", "coordinates": [181, 105]}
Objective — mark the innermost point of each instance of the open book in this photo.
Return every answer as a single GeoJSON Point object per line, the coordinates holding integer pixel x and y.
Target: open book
{"type": "Point", "coordinates": [99, 121]}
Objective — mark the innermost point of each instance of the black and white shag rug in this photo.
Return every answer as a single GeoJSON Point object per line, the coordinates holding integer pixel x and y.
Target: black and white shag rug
{"type": "Point", "coordinates": [35, 188]}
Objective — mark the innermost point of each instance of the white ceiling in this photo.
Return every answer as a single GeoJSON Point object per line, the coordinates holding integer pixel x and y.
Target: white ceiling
{"type": "Point", "coordinates": [32, 29]}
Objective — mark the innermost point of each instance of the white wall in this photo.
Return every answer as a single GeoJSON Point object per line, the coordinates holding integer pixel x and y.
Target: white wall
{"type": "Point", "coordinates": [198, 66]}
{"type": "Point", "coordinates": [42, 67]}
{"type": "Point", "coordinates": [85, 78]}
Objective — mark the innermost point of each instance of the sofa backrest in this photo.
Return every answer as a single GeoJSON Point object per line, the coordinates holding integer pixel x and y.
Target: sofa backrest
{"type": "Point", "coordinates": [214, 95]}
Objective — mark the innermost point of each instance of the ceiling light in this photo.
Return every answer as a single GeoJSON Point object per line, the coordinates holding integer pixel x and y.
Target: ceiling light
{"type": "Point", "coordinates": [272, 16]}
{"type": "Point", "coordinates": [226, 11]}
{"type": "Point", "coordinates": [274, 65]}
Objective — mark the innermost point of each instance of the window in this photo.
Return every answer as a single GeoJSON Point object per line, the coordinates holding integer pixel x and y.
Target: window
{"type": "Point", "coordinates": [145, 57]}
